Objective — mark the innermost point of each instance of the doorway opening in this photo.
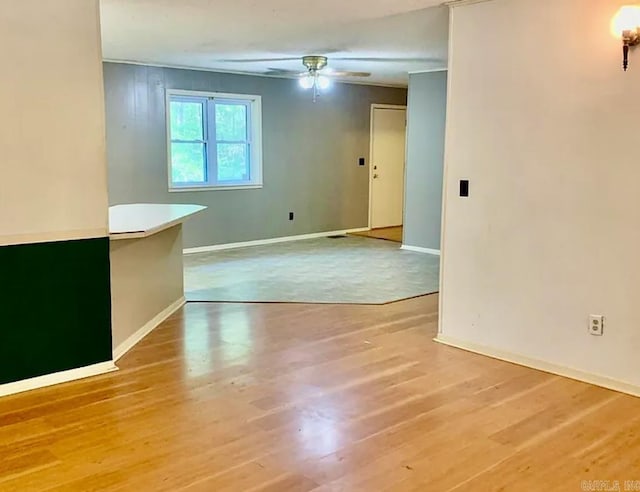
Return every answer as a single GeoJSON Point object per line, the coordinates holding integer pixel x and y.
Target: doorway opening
{"type": "Point", "coordinates": [386, 171]}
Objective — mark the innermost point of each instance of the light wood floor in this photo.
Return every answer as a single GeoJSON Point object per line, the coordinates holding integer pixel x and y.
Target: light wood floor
{"type": "Point", "coordinates": [389, 233]}
{"type": "Point", "coordinates": [315, 397]}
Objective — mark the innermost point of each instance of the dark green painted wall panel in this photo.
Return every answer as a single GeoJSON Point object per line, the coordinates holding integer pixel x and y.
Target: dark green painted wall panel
{"type": "Point", "coordinates": [55, 307]}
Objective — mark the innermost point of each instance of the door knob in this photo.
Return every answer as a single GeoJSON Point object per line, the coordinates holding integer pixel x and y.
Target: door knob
{"type": "Point", "coordinates": [375, 176]}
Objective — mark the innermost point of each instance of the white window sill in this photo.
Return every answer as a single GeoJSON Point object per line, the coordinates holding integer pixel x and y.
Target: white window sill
{"type": "Point", "coordinates": [213, 188]}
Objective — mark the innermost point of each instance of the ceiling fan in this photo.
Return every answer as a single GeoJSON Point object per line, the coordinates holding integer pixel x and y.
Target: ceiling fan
{"type": "Point", "coordinates": [317, 75]}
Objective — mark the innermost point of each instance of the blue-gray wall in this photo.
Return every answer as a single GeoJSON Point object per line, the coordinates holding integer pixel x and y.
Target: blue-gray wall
{"type": "Point", "coordinates": [310, 153]}
{"type": "Point", "coordinates": [426, 115]}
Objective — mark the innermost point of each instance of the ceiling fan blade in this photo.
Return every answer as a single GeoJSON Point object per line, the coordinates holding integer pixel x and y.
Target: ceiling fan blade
{"type": "Point", "coordinates": [341, 73]}
{"type": "Point", "coordinates": [389, 59]}
{"type": "Point", "coordinates": [256, 60]}
{"type": "Point", "coordinates": [278, 71]}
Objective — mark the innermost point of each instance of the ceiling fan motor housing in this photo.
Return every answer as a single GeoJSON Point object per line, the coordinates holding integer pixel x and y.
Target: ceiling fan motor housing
{"type": "Point", "coordinates": [314, 62]}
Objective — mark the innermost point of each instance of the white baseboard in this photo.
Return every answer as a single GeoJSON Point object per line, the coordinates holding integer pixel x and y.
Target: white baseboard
{"type": "Point", "coordinates": [418, 249]}
{"type": "Point", "coordinates": [542, 365]}
{"type": "Point", "coordinates": [148, 327]}
{"type": "Point", "coordinates": [57, 378]}
{"type": "Point", "coordinates": [273, 240]}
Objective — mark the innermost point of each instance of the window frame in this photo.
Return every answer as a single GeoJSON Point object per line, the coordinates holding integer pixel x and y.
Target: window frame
{"type": "Point", "coordinates": [253, 142]}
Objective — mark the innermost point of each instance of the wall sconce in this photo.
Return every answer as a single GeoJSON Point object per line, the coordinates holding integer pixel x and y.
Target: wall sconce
{"type": "Point", "coordinates": [626, 25]}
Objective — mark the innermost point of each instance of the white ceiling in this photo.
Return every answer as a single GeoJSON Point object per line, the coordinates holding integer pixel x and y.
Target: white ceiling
{"type": "Point", "coordinates": [202, 33]}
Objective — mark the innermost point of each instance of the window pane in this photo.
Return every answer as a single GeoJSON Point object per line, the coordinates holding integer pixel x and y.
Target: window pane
{"type": "Point", "coordinates": [188, 163]}
{"type": "Point", "coordinates": [231, 122]}
{"type": "Point", "coordinates": [233, 162]}
{"type": "Point", "coordinates": [186, 121]}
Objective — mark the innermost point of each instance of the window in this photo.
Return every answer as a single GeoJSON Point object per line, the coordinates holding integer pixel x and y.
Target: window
{"type": "Point", "coordinates": [214, 140]}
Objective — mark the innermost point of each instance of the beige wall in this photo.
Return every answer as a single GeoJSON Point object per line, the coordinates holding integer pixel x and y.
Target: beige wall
{"type": "Point", "coordinates": [146, 278]}
{"type": "Point", "coordinates": [545, 124]}
{"type": "Point", "coordinates": [53, 161]}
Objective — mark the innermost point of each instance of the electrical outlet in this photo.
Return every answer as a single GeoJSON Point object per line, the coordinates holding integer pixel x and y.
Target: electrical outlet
{"type": "Point", "coordinates": [596, 325]}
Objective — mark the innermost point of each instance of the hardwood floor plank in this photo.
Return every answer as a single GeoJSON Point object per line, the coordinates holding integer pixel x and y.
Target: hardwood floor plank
{"type": "Point", "coordinates": [314, 397]}
{"type": "Point", "coordinates": [23, 463]}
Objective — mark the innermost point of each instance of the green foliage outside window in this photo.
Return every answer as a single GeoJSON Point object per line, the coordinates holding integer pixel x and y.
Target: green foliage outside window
{"type": "Point", "coordinates": [189, 142]}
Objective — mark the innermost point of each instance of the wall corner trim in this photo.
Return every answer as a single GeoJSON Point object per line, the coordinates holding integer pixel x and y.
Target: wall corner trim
{"type": "Point", "coordinates": [418, 249]}
{"type": "Point", "coordinates": [57, 378]}
{"type": "Point", "coordinates": [541, 365]}
{"type": "Point", "coordinates": [273, 240]}
{"type": "Point", "coordinates": [147, 328]}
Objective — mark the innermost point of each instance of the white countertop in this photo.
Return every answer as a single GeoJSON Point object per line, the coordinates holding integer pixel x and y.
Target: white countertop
{"type": "Point", "coordinates": [139, 220]}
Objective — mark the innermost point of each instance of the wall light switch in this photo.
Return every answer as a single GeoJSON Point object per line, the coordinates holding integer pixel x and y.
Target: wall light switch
{"type": "Point", "coordinates": [464, 187]}
{"type": "Point", "coordinates": [361, 161]}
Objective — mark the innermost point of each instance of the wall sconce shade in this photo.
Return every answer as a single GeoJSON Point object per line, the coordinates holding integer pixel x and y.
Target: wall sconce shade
{"type": "Point", "coordinates": [626, 25]}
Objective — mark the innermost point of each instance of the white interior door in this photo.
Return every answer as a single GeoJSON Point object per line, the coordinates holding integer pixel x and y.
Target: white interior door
{"type": "Point", "coordinates": [388, 136]}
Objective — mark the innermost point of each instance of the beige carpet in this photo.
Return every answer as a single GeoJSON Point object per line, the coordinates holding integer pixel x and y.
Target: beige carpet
{"type": "Point", "coordinates": [352, 270]}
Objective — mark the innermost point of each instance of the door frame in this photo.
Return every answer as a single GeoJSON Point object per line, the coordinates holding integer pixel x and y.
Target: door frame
{"type": "Point", "coordinates": [375, 106]}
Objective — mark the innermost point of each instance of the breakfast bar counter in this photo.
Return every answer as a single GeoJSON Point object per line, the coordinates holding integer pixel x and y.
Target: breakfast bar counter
{"type": "Point", "coordinates": [146, 268]}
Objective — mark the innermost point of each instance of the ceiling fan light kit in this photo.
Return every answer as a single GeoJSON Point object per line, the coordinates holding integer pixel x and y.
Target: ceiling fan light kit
{"type": "Point", "coordinates": [313, 79]}
{"type": "Point", "coordinates": [308, 81]}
